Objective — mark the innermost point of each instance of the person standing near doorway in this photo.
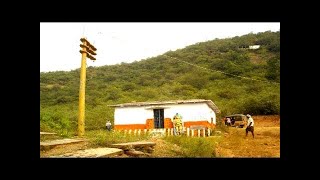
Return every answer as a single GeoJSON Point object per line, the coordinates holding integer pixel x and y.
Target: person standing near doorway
{"type": "Point", "coordinates": [177, 124]}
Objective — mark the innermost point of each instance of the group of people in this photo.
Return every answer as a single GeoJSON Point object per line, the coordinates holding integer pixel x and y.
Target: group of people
{"type": "Point", "coordinates": [178, 124]}
{"type": "Point", "coordinates": [230, 121]}
{"type": "Point", "coordinates": [250, 124]}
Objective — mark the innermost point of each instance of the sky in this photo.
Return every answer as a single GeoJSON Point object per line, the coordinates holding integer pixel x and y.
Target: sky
{"type": "Point", "coordinates": [128, 42]}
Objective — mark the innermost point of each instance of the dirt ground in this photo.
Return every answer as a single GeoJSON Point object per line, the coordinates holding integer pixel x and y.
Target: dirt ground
{"type": "Point", "coordinates": [265, 144]}
{"type": "Point", "coordinates": [233, 144]}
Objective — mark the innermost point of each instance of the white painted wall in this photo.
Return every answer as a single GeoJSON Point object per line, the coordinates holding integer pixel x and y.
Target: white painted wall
{"type": "Point", "coordinates": [254, 47]}
{"type": "Point", "coordinates": [132, 115]}
{"type": "Point", "coordinates": [189, 112]}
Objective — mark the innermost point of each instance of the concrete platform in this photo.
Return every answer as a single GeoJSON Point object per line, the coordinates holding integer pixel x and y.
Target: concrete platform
{"type": "Point", "coordinates": [53, 143]}
{"type": "Point", "coordinates": [92, 153]}
{"type": "Point", "coordinates": [134, 145]}
{"type": "Point", "coordinates": [47, 133]}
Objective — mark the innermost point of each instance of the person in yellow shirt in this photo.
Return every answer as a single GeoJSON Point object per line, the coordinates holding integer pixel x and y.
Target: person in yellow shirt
{"type": "Point", "coordinates": [177, 124]}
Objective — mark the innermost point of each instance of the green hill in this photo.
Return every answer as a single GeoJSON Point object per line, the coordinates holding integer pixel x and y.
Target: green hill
{"type": "Point", "coordinates": [237, 79]}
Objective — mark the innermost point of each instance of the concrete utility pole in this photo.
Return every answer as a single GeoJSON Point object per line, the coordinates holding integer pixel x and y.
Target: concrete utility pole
{"type": "Point", "coordinates": [87, 50]}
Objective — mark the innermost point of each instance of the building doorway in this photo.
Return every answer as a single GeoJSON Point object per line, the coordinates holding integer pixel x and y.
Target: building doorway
{"type": "Point", "coordinates": [158, 115]}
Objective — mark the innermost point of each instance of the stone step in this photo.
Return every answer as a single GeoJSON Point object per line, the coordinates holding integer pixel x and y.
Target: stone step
{"type": "Point", "coordinates": [92, 153]}
{"type": "Point", "coordinates": [45, 145]}
{"type": "Point", "coordinates": [134, 145]}
{"type": "Point", "coordinates": [47, 133]}
{"type": "Point", "coordinates": [135, 153]}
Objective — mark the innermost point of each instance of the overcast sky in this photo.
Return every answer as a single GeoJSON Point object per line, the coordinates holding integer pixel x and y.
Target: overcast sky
{"type": "Point", "coordinates": [127, 42]}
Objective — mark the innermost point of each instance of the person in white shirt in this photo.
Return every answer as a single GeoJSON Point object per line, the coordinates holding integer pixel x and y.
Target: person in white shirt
{"type": "Point", "coordinates": [108, 125]}
{"type": "Point", "coordinates": [228, 121]}
{"type": "Point", "coordinates": [250, 125]}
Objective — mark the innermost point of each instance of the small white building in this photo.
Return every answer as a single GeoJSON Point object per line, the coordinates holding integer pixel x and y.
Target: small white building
{"type": "Point", "coordinates": [157, 115]}
{"type": "Point", "coordinates": [254, 47]}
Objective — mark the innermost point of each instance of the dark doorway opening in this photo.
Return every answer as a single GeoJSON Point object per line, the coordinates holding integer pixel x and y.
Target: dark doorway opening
{"type": "Point", "coordinates": [158, 118]}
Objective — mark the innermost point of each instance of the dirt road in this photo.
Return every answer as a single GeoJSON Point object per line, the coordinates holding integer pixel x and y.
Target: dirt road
{"type": "Point", "coordinates": [265, 144]}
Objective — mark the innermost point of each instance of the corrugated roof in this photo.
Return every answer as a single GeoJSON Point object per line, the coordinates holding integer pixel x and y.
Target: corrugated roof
{"type": "Point", "coordinates": [232, 115]}
{"type": "Point", "coordinates": [190, 101]}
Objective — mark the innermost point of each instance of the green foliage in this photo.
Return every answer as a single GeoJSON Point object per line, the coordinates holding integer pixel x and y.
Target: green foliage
{"type": "Point", "coordinates": [114, 93]}
{"type": "Point", "coordinates": [254, 88]}
{"type": "Point", "coordinates": [270, 40]}
{"type": "Point", "coordinates": [227, 94]}
{"type": "Point", "coordinates": [161, 78]}
{"type": "Point", "coordinates": [237, 57]}
{"type": "Point", "coordinates": [54, 119]}
{"type": "Point", "coordinates": [197, 79]}
{"type": "Point", "coordinates": [129, 86]}
{"type": "Point", "coordinates": [262, 105]}
{"type": "Point", "coordinates": [194, 147]}
{"type": "Point", "coordinates": [273, 69]}
{"type": "Point", "coordinates": [106, 138]}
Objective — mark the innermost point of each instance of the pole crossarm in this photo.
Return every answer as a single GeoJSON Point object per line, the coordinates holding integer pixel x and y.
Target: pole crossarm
{"type": "Point", "coordinates": [88, 49]}
{"type": "Point", "coordinates": [88, 55]}
{"type": "Point", "coordinates": [84, 40]}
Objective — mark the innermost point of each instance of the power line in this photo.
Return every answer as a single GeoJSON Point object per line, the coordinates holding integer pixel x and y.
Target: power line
{"type": "Point", "coordinates": [221, 71]}
{"type": "Point", "coordinates": [83, 28]}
